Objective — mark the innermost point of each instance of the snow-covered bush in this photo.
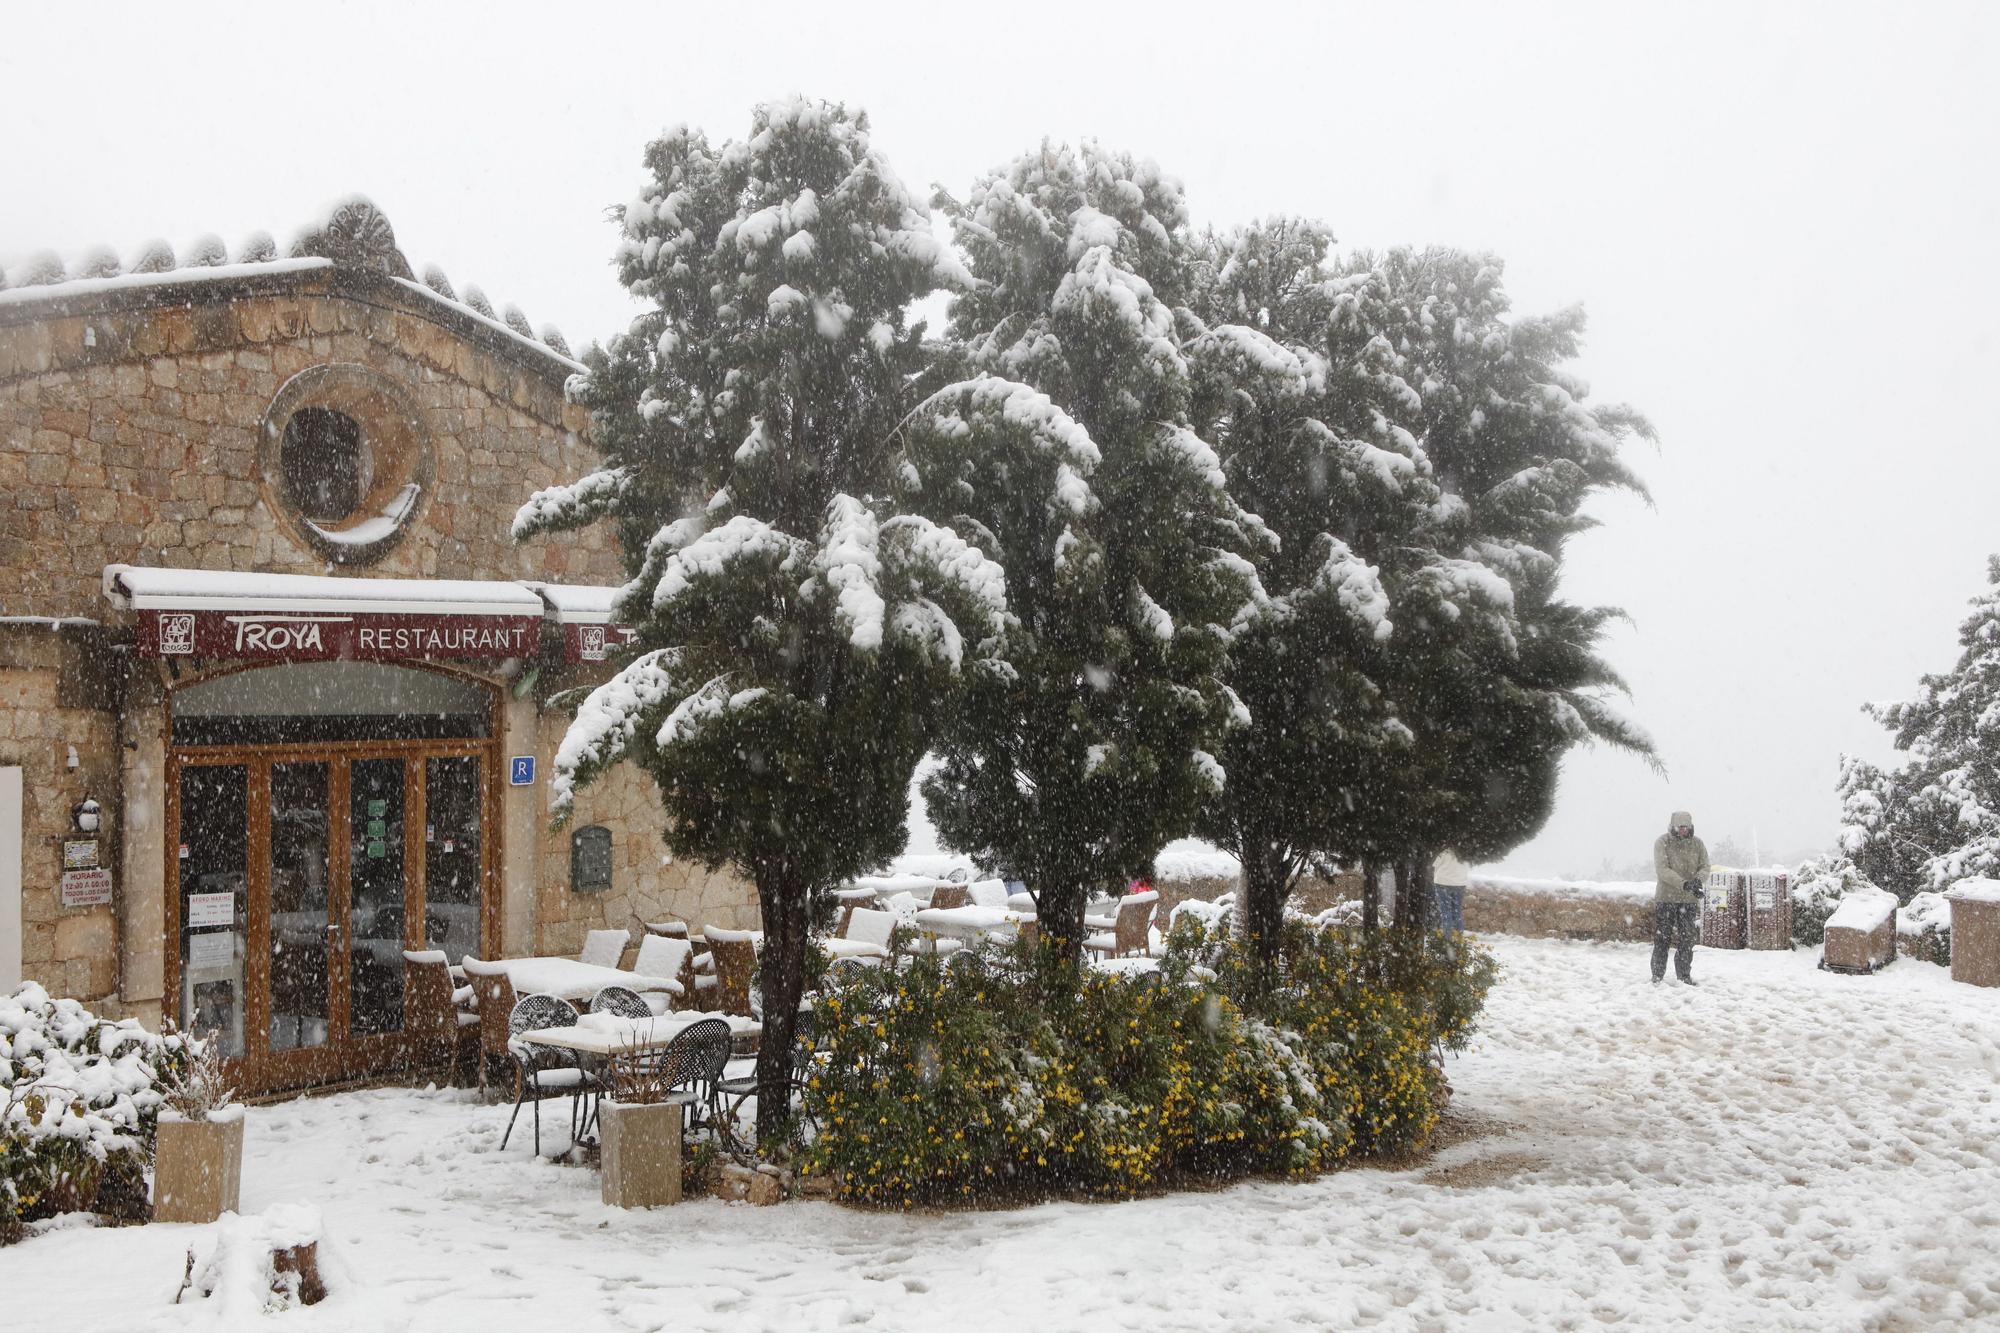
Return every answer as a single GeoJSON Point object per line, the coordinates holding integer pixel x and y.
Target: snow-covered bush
{"type": "Point", "coordinates": [79, 1103]}
{"type": "Point", "coordinates": [1031, 1078]}
{"type": "Point", "coordinates": [1818, 886]}
{"type": "Point", "coordinates": [1925, 923]}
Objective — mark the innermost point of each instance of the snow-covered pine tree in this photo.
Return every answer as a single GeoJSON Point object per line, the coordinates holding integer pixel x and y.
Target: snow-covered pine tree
{"type": "Point", "coordinates": [1934, 818]}
{"type": "Point", "coordinates": [795, 634]}
{"type": "Point", "coordinates": [1495, 675]}
{"type": "Point", "coordinates": [1067, 443]}
{"type": "Point", "coordinates": [1299, 418]}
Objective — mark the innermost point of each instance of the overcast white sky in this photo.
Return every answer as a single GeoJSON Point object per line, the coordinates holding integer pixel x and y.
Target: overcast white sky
{"type": "Point", "coordinates": [1780, 218]}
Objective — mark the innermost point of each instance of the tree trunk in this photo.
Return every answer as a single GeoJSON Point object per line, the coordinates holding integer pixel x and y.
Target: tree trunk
{"type": "Point", "coordinates": [1371, 898]}
{"type": "Point", "coordinates": [1413, 904]}
{"type": "Point", "coordinates": [783, 898]}
{"type": "Point", "coordinates": [1265, 887]}
{"type": "Point", "coordinates": [1059, 914]}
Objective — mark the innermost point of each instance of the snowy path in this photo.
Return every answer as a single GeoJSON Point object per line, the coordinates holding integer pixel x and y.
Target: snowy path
{"type": "Point", "coordinates": [1778, 1149]}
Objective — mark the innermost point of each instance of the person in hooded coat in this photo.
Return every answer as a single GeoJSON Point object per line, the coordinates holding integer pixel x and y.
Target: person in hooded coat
{"type": "Point", "coordinates": [1680, 864]}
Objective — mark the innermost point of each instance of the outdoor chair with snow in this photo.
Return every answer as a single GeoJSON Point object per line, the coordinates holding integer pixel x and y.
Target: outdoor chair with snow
{"type": "Point", "coordinates": [850, 899]}
{"type": "Point", "coordinates": [541, 1074]}
{"type": "Point", "coordinates": [735, 954]}
{"type": "Point", "coordinates": [988, 893]}
{"type": "Point", "coordinates": [666, 958]}
{"type": "Point", "coordinates": [437, 1024]}
{"type": "Point", "coordinates": [493, 995]}
{"type": "Point", "coordinates": [694, 1063]}
{"type": "Point", "coordinates": [620, 1003]}
{"type": "Point", "coordinates": [869, 937]}
{"type": "Point", "coordinates": [604, 948]}
{"type": "Point", "coordinates": [951, 895]}
{"type": "Point", "coordinates": [1130, 931]}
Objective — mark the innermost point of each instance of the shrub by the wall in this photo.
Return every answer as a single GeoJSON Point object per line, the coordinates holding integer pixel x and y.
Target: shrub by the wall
{"type": "Point", "coordinates": [1818, 886]}
{"type": "Point", "coordinates": [78, 1109]}
{"type": "Point", "coordinates": [1925, 926]}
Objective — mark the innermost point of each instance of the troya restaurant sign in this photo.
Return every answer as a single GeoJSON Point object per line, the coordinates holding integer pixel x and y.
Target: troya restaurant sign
{"type": "Point", "coordinates": [295, 636]}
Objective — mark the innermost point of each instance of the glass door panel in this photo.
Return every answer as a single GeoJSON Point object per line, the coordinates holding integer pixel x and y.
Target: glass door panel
{"type": "Point", "coordinates": [375, 871]}
{"type": "Point", "coordinates": [302, 926]}
{"type": "Point", "coordinates": [214, 857]}
{"type": "Point", "coordinates": [452, 855]}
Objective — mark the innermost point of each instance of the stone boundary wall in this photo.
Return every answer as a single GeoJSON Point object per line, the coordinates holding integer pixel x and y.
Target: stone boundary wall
{"type": "Point", "coordinates": [1535, 909]}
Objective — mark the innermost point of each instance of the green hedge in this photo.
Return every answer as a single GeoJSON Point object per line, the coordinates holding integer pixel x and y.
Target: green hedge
{"type": "Point", "coordinates": [1029, 1078]}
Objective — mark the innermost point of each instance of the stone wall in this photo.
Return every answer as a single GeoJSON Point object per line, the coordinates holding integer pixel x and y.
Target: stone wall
{"type": "Point", "coordinates": [134, 436]}
{"type": "Point", "coordinates": [647, 883]}
{"type": "Point", "coordinates": [1535, 909]}
{"type": "Point", "coordinates": [1312, 894]}
{"type": "Point", "coordinates": [1551, 913]}
{"type": "Point", "coordinates": [72, 951]}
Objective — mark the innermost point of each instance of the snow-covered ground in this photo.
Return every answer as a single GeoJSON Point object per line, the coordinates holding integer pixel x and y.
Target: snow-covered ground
{"type": "Point", "coordinates": [1779, 1148]}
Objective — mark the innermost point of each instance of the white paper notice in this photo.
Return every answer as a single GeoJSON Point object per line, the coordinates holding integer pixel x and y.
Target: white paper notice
{"type": "Point", "coordinates": [211, 909]}
{"type": "Point", "coordinates": [217, 948]}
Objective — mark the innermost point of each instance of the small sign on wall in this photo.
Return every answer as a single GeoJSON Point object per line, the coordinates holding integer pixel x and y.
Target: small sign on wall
{"type": "Point", "coordinates": [86, 888]}
{"type": "Point", "coordinates": [521, 771]}
{"type": "Point", "coordinates": [211, 909]}
{"type": "Point", "coordinates": [80, 854]}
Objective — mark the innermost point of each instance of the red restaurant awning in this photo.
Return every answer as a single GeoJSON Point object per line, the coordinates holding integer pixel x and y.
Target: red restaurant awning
{"type": "Point", "coordinates": [295, 617]}
{"type": "Point", "coordinates": [583, 611]}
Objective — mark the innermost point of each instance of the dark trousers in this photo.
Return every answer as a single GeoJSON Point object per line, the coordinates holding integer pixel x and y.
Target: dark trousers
{"type": "Point", "coordinates": [1675, 926]}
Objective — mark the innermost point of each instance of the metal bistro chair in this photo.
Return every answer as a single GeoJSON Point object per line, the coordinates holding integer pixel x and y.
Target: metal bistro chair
{"type": "Point", "coordinates": [620, 1003]}
{"type": "Point", "coordinates": [695, 1061]}
{"type": "Point", "coordinates": [538, 1074]}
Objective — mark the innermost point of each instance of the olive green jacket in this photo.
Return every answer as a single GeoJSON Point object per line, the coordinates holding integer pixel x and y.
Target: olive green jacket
{"type": "Point", "coordinates": [1677, 859]}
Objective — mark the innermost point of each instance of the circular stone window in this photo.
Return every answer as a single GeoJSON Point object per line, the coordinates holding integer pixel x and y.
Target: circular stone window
{"type": "Point", "coordinates": [346, 461]}
{"type": "Point", "coordinates": [326, 464]}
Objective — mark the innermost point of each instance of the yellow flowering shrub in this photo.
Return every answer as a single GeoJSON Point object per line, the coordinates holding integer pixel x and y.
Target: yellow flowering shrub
{"type": "Point", "coordinates": [1025, 1077]}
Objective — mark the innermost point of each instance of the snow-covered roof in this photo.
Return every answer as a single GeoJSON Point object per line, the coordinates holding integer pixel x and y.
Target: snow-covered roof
{"type": "Point", "coordinates": [351, 232]}
{"type": "Point", "coordinates": [136, 588]}
{"type": "Point", "coordinates": [578, 603]}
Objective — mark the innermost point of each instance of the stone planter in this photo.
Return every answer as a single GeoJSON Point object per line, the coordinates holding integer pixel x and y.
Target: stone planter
{"type": "Point", "coordinates": [198, 1168]}
{"type": "Point", "coordinates": [1861, 933]}
{"type": "Point", "coordinates": [1975, 932]}
{"type": "Point", "coordinates": [640, 1160]}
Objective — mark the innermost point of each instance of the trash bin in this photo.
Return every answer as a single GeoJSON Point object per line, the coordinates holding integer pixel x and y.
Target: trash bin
{"type": "Point", "coordinates": [1723, 911]}
{"type": "Point", "coordinates": [1975, 931]}
{"type": "Point", "coordinates": [1861, 933]}
{"type": "Point", "coordinates": [1770, 909]}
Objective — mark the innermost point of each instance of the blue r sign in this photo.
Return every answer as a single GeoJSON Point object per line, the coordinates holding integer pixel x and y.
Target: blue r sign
{"type": "Point", "coordinates": [521, 771]}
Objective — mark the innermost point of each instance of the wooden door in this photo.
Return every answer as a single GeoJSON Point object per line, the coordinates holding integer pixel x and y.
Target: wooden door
{"type": "Point", "coordinates": [300, 877]}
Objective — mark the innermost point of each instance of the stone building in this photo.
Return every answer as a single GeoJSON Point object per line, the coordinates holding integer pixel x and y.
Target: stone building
{"type": "Point", "coordinates": [263, 624]}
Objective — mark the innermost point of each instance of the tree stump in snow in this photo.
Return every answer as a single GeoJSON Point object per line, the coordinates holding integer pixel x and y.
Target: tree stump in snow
{"type": "Point", "coordinates": [304, 1261]}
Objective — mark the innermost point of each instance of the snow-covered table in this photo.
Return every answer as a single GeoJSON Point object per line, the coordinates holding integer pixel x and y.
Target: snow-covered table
{"type": "Point", "coordinates": [970, 923]}
{"type": "Point", "coordinates": [567, 979]}
{"type": "Point", "coordinates": [606, 1034]}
